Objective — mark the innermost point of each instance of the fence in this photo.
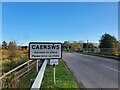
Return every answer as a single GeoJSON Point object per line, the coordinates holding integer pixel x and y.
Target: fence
{"type": "Point", "coordinates": [18, 72]}
{"type": "Point", "coordinates": [15, 69]}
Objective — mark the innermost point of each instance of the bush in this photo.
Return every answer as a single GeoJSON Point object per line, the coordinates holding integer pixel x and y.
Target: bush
{"type": "Point", "coordinates": [7, 65]}
{"type": "Point", "coordinates": [25, 51]}
{"type": "Point", "coordinates": [4, 52]}
{"type": "Point", "coordinates": [12, 50]}
{"type": "Point", "coordinates": [20, 52]}
{"type": "Point", "coordinates": [10, 81]}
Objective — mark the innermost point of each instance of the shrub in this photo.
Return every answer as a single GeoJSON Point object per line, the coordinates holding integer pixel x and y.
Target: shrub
{"type": "Point", "coordinates": [10, 81]}
{"type": "Point", "coordinates": [4, 52]}
{"type": "Point", "coordinates": [12, 47]}
{"type": "Point", "coordinates": [8, 65]}
{"type": "Point", "coordinates": [26, 51]}
{"type": "Point", "coordinates": [19, 52]}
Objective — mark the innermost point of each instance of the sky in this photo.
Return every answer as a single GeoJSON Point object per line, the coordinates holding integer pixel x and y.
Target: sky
{"type": "Point", "coordinates": [49, 21]}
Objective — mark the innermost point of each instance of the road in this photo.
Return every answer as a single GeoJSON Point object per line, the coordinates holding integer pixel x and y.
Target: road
{"type": "Point", "coordinates": [93, 71]}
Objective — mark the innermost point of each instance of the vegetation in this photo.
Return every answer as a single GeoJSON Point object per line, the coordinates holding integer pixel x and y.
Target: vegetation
{"type": "Point", "coordinates": [4, 45]}
{"type": "Point", "coordinates": [72, 45]}
{"type": "Point", "coordinates": [25, 81]}
{"type": "Point", "coordinates": [66, 45]}
{"type": "Point", "coordinates": [12, 48]}
{"type": "Point", "coordinates": [108, 43]}
{"type": "Point", "coordinates": [118, 44]}
{"type": "Point", "coordinates": [108, 46]}
{"type": "Point", "coordinates": [10, 81]}
{"type": "Point", "coordinates": [12, 56]}
{"type": "Point", "coordinates": [75, 46]}
{"type": "Point", "coordinates": [64, 79]}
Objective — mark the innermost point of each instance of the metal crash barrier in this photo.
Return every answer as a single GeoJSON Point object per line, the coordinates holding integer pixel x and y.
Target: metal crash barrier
{"type": "Point", "coordinates": [37, 83]}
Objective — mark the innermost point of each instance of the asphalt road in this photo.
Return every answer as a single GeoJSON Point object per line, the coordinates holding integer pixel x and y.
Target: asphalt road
{"type": "Point", "coordinates": [93, 71]}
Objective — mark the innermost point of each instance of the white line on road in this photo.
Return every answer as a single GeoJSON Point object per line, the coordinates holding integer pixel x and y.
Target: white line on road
{"type": "Point", "coordinates": [110, 68]}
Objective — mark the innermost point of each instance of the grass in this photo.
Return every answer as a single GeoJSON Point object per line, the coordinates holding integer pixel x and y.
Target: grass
{"type": "Point", "coordinates": [115, 57]}
{"type": "Point", "coordinates": [102, 55]}
{"type": "Point", "coordinates": [69, 51]}
{"type": "Point", "coordinates": [64, 79]}
{"type": "Point", "coordinates": [25, 81]}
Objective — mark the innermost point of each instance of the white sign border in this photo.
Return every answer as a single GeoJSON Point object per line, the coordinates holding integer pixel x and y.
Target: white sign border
{"type": "Point", "coordinates": [44, 43]}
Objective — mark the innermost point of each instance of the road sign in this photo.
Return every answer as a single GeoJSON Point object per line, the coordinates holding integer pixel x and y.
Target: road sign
{"type": "Point", "coordinates": [45, 50]}
{"type": "Point", "coordinates": [53, 61]}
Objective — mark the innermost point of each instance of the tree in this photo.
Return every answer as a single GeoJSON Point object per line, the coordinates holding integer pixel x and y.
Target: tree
{"type": "Point", "coordinates": [12, 48]}
{"type": "Point", "coordinates": [75, 46]}
{"type": "Point", "coordinates": [118, 46]}
{"type": "Point", "coordinates": [108, 43]}
{"type": "Point", "coordinates": [23, 47]}
{"type": "Point", "coordinates": [4, 45]}
{"type": "Point", "coordinates": [88, 46]}
{"type": "Point", "coordinates": [66, 45]}
{"type": "Point", "coordinates": [84, 45]}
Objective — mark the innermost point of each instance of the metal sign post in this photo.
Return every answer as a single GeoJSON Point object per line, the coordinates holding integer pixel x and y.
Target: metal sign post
{"type": "Point", "coordinates": [54, 73]}
{"type": "Point", "coordinates": [53, 62]}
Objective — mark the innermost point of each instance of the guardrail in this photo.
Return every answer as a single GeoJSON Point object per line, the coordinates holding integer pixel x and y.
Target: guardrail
{"type": "Point", "coordinates": [25, 69]}
{"type": "Point", "coordinates": [37, 83]}
{"type": "Point", "coordinates": [5, 74]}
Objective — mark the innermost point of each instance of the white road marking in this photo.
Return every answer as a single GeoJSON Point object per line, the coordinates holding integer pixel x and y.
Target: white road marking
{"type": "Point", "coordinates": [110, 68]}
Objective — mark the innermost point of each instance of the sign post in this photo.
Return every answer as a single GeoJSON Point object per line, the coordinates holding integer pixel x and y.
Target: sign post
{"type": "Point", "coordinates": [46, 50]}
{"type": "Point", "coordinates": [54, 73]}
{"type": "Point", "coordinates": [54, 62]}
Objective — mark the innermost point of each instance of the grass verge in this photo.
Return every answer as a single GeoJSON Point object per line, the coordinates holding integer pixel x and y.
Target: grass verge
{"type": "Point", "coordinates": [64, 79]}
{"type": "Point", "coordinates": [101, 55]}
{"type": "Point", "coordinates": [25, 81]}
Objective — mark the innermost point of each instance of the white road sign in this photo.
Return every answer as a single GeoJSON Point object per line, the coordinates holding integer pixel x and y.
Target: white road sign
{"type": "Point", "coordinates": [53, 61]}
{"type": "Point", "coordinates": [45, 50]}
